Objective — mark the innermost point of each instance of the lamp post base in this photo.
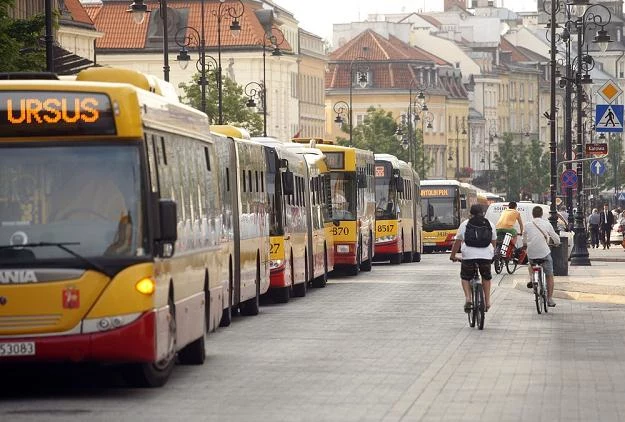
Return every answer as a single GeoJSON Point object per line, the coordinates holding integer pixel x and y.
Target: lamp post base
{"type": "Point", "coordinates": [579, 254]}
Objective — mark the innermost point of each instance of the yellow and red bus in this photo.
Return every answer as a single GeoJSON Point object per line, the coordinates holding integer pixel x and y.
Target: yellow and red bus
{"type": "Point", "coordinates": [245, 211]}
{"type": "Point", "coordinates": [289, 199]}
{"type": "Point", "coordinates": [110, 225]}
{"type": "Point", "coordinates": [444, 205]}
{"type": "Point", "coordinates": [352, 186]}
{"type": "Point", "coordinates": [320, 238]}
{"type": "Point", "coordinates": [398, 211]}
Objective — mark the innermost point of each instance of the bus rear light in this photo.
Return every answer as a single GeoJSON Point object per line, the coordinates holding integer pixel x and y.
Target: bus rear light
{"type": "Point", "coordinates": [108, 323]}
{"type": "Point", "coordinates": [146, 286]}
{"type": "Point", "coordinates": [343, 248]}
{"type": "Point", "coordinates": [385, 239]}
{"type": "Point", "coordinates": [277, 264]}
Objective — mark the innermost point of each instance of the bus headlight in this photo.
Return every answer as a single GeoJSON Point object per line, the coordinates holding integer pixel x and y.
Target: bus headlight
{"type": "Point", "coordinates": [95, 325]}
{"type": "Point", "coordinates": [146, 286]}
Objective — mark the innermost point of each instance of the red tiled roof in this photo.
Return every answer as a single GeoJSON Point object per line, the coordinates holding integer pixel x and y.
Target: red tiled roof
{"type": "Point", "coordinates": [78, 12]}
{"type": "Point", "coordinates": [92, 10]}
{"type": "Point", "coordinates": [391, 61]}
{"type": "Point", "coordinates": [431, 20]}
{"type": "Point", "coordinates": [517, 55]}
{"type": "Point", "coordinates": [120, 32]}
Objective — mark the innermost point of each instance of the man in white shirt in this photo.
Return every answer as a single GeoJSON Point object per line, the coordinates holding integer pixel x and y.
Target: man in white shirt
{"type": "Point", "coordinates": [483, 256]}
{"type": "Point", "coordinates": [536, 237]}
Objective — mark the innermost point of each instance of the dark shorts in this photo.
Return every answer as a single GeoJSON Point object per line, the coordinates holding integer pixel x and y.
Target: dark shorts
{"type": "Point", "coordinates": [467, 269]}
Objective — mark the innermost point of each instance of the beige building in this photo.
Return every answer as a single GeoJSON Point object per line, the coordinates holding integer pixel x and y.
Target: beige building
{"type": "Point", "coordinates": [311, 84]}
{"type": "Point", "coordinates": [395, 74]}
{"type": "Point", "coordinates": [140, 47]}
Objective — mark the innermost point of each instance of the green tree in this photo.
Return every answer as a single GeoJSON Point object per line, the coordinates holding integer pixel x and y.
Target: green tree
{"type": "Point", "coordinates": [19, 41]}
{"type": "Point", "coordinates": [378, 133]}
{"type": "Point", "coordinates": [235, 110]}
{"type": "Point", "coordinates": [522, 168]}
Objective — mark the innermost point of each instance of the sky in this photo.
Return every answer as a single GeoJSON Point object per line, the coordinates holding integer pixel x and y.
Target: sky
{"type": "Point", "coordinates": [317, 16]}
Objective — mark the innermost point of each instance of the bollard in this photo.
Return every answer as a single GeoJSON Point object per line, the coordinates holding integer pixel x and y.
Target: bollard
{"type": "Point", "coordinates": [560, 256]}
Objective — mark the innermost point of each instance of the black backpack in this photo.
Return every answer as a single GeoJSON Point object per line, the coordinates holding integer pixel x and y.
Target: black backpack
{"type": "Point", "coordinates": [479, 233]}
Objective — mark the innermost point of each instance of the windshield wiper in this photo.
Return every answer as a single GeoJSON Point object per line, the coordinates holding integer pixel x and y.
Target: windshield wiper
{"type": "Point", "coordinates": [63, 246]}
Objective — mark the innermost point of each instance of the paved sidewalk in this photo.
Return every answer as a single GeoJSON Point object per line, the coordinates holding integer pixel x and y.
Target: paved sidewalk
{"type": "Point", "coordinates": [602, 281]}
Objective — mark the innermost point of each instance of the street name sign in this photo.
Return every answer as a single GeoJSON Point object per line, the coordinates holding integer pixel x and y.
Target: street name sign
{"type": "Point", "coordinates": [597, 167]}
{"type": "Point", "coordinates": [569, 178]}
{"type": "Point", "coordinates": [596, 149]}
{"type": "Point", "coordinates": [609, 118]}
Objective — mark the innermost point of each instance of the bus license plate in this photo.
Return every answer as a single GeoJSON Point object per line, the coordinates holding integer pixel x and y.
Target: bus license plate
{"type": "Point", "coordinates": [26, 348]}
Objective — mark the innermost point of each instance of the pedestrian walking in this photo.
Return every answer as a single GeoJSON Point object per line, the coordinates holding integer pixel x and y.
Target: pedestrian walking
{"type": "Point", "coordinates": [593, 224]}
{"type": "Point", "coordinates": [606, 220]}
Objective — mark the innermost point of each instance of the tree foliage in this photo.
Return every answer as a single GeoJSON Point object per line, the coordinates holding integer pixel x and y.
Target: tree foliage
{"type": "Point", "coordinates": [522, 169]}
{"type": "Point", "coordinates": [378, 133]}
{"type": "Point", "coordinates": [20, 50]}
{"type": "Point", "coordinates": [235, 111]}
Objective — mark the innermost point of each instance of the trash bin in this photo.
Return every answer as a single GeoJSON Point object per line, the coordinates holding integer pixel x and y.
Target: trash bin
{"type": "Point", "coordinates": [560, 256]}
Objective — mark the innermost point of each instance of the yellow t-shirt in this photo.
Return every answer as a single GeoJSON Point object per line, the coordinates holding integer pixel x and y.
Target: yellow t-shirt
{"type": "Point", "coordinates": [508, 218]}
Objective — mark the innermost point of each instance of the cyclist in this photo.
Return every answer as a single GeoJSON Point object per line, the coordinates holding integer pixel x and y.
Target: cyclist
{"type": "Point", "coordinates": [482, 233]}
{"type": "Point", "coordinates": [536, 238]}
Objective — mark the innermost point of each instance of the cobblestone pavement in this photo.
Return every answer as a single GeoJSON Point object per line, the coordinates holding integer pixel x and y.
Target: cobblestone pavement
{"type": "Point", "coordinates": [388, 345]}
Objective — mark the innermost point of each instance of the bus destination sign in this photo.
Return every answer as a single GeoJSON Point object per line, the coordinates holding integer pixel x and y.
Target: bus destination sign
{"type": "Point", "coordinates": [53, 113]}
{"type": "Point", "coordinates": [435, 192]}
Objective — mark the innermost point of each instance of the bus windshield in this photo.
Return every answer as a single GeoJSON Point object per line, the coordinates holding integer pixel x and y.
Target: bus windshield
{"type": "Point", "coordinates": [385, 193]}
{"type": "Point", "coordinates": [439, 213]}
{"type": "Point", "coordinates": [89, 196]}
{"type": "Point", "coordinates": [343, 188]}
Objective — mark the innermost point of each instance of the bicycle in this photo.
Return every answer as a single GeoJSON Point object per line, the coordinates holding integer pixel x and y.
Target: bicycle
{"type": "Point", "coordinates": [478, 304]}
{"type": "Point", "coordinates": [506, 253]}
{"type": "Point", "coordinates": [518, 257]}
{"type": "Point", "coordinates": [539, 285]}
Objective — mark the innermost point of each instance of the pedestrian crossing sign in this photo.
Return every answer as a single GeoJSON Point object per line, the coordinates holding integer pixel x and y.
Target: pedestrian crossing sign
{"type": "Point", "coordinates": [609, 118]}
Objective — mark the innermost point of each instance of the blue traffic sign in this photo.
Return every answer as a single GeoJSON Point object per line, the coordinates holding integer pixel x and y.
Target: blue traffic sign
{"type": "Point", "coordinates": [621, 197]}
{"type": "Point", "coordinates": [609, 118]}
{"type": "Point", "coordinates": [569, 178]}
{"type": "Point", "coordinates": [597, 167]}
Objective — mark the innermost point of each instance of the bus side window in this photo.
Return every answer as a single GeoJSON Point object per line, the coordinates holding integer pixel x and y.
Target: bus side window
{"type": "Point", "coordinates": [463, 201]}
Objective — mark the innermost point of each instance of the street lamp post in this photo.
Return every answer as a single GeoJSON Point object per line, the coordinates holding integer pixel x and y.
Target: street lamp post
{"type": "Point", "coordinates": [586, 18]}
{"type": "Point", "coordinates": [464, 132]}
{"type": "Point", "coordinates": [184, 40]}
{"type": "Point", "coordinates": [417, 107]}
{"type": "Point", "coordinates": [492, 134]}
{"type": "Point", "coordinates": [343, 111]}
{"type": "Point", "coordinates": [49, 37]}
{"type": "Point", "coordinates": [272, 38]}
{"type": "Point", "coordinates": [235, 29]}
{"type": "Point", "coordinates": [362, 82]}
{"type": "Point", "coordinates": [139, 10]}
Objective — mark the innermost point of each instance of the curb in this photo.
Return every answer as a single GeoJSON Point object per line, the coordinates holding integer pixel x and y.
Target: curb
{"type": "Point", "coordinates": [578, 296]}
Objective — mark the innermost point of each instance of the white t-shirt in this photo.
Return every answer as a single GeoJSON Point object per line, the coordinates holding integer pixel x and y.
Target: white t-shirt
{"type": "Point", "coordinates": [534, 238]}
{"type": "Point", "coordinates": [471, 252]}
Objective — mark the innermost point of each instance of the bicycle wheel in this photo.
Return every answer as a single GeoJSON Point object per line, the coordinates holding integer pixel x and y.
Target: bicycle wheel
{"type": "Point", "coordinates": [543, 291]}
{"type": "Point", "coordinates": [511, 265]}
{"type": "Point", "coordinates": [498, 263]}
{"type": "Point", "coordinates": [471, 313]}
{"type": "Point", "coordinates": [537, 296]}
{"type": "Point", "coordinates": [480, 306]}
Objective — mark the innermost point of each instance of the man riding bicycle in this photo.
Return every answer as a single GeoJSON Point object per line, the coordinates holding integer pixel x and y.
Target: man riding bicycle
{"type": "Point", "coordinates": [536, 238]}
{"type": "Point", "coordinates": [477, 236]}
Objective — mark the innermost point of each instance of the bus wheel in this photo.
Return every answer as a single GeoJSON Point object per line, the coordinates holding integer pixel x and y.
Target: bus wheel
{"type": "Point", "coordinates": [155, 374]}
{"type": "Point", "coordinates": [194, 353]}
{"type": "Point", "coordinates": [416, 257]}
{"type": "Point", "coordinates": [396, 259]}
{"type": "Point", "coordinates": [251, 306]}
{"type": "Point", "coordinates": [280, 294]}
{"type": "Point", "coordinates": [366, 265]}
{"type": "Point", "coordinates": [407, 255]}
{"type": "Point", "coordinates": [299, 290]}
{"type": "Point", "coordinates": [322, 280]}
{"type": "Point", "coordinates": [226, 316]}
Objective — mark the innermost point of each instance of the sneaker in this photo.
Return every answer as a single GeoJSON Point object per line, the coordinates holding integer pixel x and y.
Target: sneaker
{"type": "Point", "coordinates": [468, 306]}
{"type": "Point", "coordinates": [551, 303]}
{"type": "Point", "coordinates": [530, 285]}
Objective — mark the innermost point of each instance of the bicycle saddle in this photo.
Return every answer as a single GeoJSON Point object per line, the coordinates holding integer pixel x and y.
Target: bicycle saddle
{"type": "Point", "coordinates": [538, 261]}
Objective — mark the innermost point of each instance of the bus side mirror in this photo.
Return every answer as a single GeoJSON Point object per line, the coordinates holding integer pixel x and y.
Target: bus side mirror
{"type": "Point", "coordinates": [399, 182]}
{"type": "Point", "coordinates": [362, 180]}
{"type": "Point", "coordinates": [168, 221]}
{"type": "Point", "coordinates": [288, 187]}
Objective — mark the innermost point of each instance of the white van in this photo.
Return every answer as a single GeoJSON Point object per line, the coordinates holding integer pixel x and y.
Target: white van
{"type": "Point", "coordinates": [525, 208]}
